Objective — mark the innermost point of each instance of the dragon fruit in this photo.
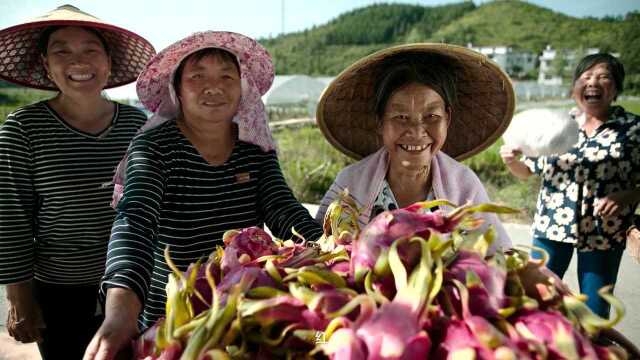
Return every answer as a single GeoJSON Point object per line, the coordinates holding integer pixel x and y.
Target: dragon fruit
{"type": "Point", "coordinates": [398, 289]}
{"type": "Point", "coordinates": [485, 283]}
{"type": "Point", "coordinates": [466, 335]}
{"type": "Point", "coordinates": [554, 332]}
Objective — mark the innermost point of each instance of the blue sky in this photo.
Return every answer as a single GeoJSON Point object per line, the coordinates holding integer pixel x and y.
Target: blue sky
{"type": "Point", "coordinates": [165, 21]}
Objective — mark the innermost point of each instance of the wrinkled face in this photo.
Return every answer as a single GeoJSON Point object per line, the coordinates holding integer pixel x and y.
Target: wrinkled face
{"type": "Point", "coordinates": [414, 126]}
{"type": "Point", "coordinates": [210, 90]}
{"type": "Point", "coordinates": [595, 89]}
{"type": "Point", "coordinates": [77, 62]}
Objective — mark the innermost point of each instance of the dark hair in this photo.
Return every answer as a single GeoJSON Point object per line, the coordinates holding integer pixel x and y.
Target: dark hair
{"type": "Point", "coordinates": [615, 67]}
{"type": "Point", "coordinates": [431, 70]}
{"type": "Point", "coordinates": [43, 41]}
{"type": "Point", "coordinates": [199, 55]}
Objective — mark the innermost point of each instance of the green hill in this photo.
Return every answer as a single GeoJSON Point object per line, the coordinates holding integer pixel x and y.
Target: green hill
{"type": "Point", "coordinates": [328, 49]}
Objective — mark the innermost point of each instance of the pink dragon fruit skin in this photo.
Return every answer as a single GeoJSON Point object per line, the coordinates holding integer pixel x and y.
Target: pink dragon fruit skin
{"type": "Point", "coordinates": [173, 352]}
{"type": "Point", "coordinates": [555, 332]}
{"type": "Point", "coordinates": [489, 297]}
{"type": "Point", "coordinates": [389, 226]}
{"type": "Point", "coordinates": [477, 336]}
{"type": "Point", "coordinates": [144, 346]}
{"type": "Point", "coordinates": [346, 345]}
{"type": "Point", "coordinates": [252, 241]}
{"type": "Point", "coordinates": [393, 332]}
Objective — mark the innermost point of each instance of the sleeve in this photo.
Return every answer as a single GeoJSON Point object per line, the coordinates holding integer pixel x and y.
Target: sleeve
{"type": "Point", "coordinates": [331, 194]}
{"type": "Point", "coordinates": [535, 164]}
{"type": "Point", "coordinates": [17, 203]}
{"type": "Point", "coordinates": [632, 147]}
{"type": "Point", "coordinates": [503, 241]}
{"type": "Point", "coordinates": [279, 207]}
{"type": "Point", "coordinates": [133, 235]}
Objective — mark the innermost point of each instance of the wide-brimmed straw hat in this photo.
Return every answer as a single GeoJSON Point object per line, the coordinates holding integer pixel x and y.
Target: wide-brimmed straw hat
{"type": "Point", "coordinates": [20, 60]}
{"type": "Point", "coordinates": [346, 111]}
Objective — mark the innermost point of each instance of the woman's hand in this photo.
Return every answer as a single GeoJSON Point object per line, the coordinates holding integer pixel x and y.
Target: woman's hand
{"type": "Point", "coordinates": [24, 320]}
{"type": "Point", "coordinates": [119, 328]}
{"type": "Point", "coordinates": [510, 156]}
{"type": "Point", "coordinates": [613, 203]}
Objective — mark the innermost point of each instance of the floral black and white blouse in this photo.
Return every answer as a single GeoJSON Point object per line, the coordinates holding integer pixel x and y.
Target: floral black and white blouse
{"type": "Point", "coordinates": [572, 184]}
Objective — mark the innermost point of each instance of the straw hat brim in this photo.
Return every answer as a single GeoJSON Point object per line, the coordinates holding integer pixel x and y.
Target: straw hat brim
{"type": "Point", "coordinates": [20, 61]}
{"type": "Point", "coordinates": [486, 102]}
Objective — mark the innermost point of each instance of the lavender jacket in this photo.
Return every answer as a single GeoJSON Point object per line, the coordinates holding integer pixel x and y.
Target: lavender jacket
{"type": "Point", "coordinates": [451, 180]}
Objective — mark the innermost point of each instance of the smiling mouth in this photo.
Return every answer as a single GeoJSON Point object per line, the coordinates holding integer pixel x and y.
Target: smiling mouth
{"type": "Point", "coordinates": [213, 104]}
{"type": "Point", "coordinates": [413, 148]}
{"type": "Point", "coordinates": [592, 96]}
{"type": "Point", "coordinates": [81, 77]}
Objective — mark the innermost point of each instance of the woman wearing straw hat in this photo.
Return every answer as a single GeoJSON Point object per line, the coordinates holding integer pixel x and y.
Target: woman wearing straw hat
{"type": "Point", "coordinates": [410, 113]}
{"type": "Point", "coordinates": [205, 164]}
{"type": "Point", "coordinates": [57, 158]}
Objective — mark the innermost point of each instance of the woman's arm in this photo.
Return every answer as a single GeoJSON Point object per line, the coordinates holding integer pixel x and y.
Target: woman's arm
{"type": "Point", "coordinates": [280, 208]}
{"type": "Point", "coordinates": [130, 252]}
{"type": "Point", "coordinates": [24, 320]}
{"type": "Point", "coordinates": [510, 156]}
{"type": "Point", "coordinates": [17, 196]}
{"type": "Point", "coordinates": [119, 326]}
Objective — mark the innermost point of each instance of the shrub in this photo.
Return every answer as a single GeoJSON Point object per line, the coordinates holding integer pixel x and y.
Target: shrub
{"type": "Point", "coordinates": [309, 163]}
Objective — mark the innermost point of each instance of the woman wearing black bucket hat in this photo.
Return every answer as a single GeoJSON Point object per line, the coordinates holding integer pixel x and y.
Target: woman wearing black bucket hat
{"type": "Point", "coordinates": [57, 158]}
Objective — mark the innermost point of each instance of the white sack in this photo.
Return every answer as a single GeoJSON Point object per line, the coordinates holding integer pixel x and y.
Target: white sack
{"type": "Point", "coordinates": [542, 131]}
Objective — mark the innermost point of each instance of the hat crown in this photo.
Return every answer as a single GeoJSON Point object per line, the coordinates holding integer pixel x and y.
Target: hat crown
{"type": "Point", "coordinates": [66, 11]}
{"type": "Point", "coordinates": [67, 7]}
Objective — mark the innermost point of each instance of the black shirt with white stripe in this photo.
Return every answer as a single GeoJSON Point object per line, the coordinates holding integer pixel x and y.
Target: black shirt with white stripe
{"type": "Point", "coordinates": [55, 214]}
{"type": "Point", "coordinates": [174, 197]}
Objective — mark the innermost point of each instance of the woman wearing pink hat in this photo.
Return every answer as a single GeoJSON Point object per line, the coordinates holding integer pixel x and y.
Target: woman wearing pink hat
{"type": "Point", "coordinates": [204, 164]}
{"type": "Point", "coordinates": [56, 161]}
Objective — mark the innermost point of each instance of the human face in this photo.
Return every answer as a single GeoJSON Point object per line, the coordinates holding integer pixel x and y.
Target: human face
{"type": "Point", "coordinates": [595, 90]}
{"type": "Point", "coordinates": [77, 62]}
{"type": "Point", "coordinates": [210, 90]}
{"type": "Point", "coordinates": [414, 126]}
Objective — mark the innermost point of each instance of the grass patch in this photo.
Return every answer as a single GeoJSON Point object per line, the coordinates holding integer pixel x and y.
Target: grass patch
{"type": "Point", "coordinates": [13, 98]}
{"type": "Point", "coordinates": [309, 163]}
{"type": "Point", "coordinates": [630, 105]}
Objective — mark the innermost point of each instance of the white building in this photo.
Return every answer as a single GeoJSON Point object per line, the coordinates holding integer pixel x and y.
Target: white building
{"type": "Point", "coordinates": [513, 62]}
{"type": "Point", "coordinates": [547, 75]}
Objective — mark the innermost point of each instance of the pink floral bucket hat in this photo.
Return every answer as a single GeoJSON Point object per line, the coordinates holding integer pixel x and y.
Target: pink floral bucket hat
{"type": "Point", "coordinates": [157, 93]}
{"type": "Point", "coordinates": [20, 61]}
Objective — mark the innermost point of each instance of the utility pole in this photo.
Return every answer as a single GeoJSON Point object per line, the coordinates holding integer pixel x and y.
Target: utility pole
{"type": "Point", "coordinates": [282, 18]}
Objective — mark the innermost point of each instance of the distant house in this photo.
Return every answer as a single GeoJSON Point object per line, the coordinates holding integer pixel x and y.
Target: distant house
{"type": "Point", "coordinates": [556, 64]}
{"type": "Point", "coordinates": [514, 62]}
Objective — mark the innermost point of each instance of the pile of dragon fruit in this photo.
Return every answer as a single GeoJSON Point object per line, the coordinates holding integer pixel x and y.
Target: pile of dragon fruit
{"type": "Point", "coordinates": [412, 284]}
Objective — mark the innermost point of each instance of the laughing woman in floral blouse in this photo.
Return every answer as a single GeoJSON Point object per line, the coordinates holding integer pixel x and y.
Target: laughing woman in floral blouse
{"type": "Point", "coordinates": [589, 194]}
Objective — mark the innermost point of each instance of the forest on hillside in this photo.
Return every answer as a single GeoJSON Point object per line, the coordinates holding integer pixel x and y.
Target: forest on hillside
{"type": "Point", "coordinates": [328, 49]}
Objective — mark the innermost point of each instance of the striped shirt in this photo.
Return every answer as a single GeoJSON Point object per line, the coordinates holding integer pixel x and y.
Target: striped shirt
{"type": "Point", "coordinates": [172, 196]}
{"type": "Point", "coordinates": [55, 216]}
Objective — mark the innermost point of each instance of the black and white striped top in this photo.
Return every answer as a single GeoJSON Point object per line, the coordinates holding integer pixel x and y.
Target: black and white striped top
{"type": "Point", "coordinates": [55, 216]}
{"type": "Point", "coordinates": [172, 196]}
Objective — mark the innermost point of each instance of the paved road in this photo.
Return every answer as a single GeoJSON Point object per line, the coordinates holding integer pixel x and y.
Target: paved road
{"type": "Point", "coordinates": [627, 290]}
